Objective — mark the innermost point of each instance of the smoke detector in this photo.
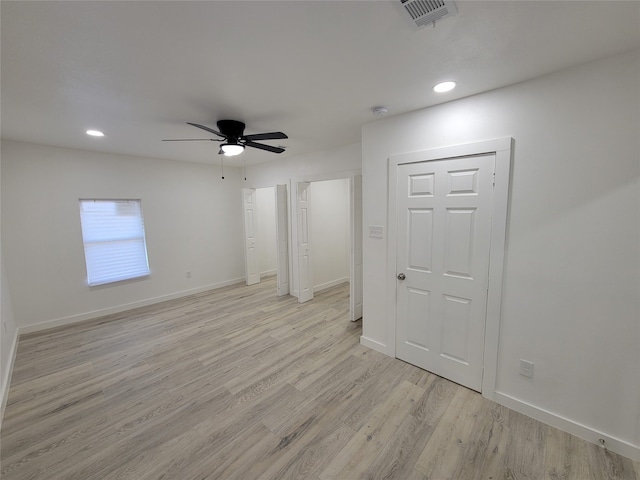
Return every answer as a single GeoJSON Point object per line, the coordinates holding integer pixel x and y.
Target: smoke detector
{"type": "Point", "coordinates": [426, 12]}
{"type": "Point", "coordinates": [380, 110]}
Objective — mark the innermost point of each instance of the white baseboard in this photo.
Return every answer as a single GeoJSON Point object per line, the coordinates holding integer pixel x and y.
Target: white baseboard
{"type": "Point", "coordinates": [332, 283]}
{"type": "Point", "coordinates": [574, 428]}
{"type": "Point", "coordinates": [268, 273]}
{"type": "Point", "coordinates": [7, 380]}
{"type": "Point", "coordinates": [377, 346]}
{"type": "Point", "coordinates": [120, 308]}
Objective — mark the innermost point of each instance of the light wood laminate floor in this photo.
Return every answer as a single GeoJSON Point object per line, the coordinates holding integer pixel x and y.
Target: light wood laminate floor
{"type": "Point", "coordinates": [237, 383]}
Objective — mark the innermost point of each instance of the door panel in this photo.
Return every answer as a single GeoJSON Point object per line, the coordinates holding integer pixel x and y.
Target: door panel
{"type": "Point", "coordinates": [443, 241]}
{"type": "Point", "coordinates": [459, 242]}
{"type": "Point", "coordinates": [252, 275]}
{"type": "Point", "coordinates": [456, 324]}
{"type": "Point", "coordinates": [305, 292]}
{"type": "Point", "coordinates": [418, 315]}
{"type": "Point", "coordinates": [420, 232]}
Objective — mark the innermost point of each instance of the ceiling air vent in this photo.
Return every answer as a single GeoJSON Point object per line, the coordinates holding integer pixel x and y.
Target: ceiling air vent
{"type": "Point", "coordinates": [427, 12]}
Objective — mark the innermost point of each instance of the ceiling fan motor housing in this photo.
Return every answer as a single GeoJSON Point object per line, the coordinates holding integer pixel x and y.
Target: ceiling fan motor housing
{"type": "Point", "coordinates": [232, 129]}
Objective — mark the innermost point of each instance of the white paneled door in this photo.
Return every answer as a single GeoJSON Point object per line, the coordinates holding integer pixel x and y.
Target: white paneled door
{"type": "Point", "coordinates": [305, 278]}
{"type": "Point", "coordinates": [252, 274]}
{"type": "Point", "coordinates": [443, 242]}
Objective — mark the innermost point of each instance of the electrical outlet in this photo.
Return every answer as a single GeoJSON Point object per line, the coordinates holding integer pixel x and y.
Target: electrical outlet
{"type": "Point", "coordinates": [526, 368]}
{"type": "Point", "coordinates": [376, 231]}
{"type": "Point", "coordinates": [188, 274]}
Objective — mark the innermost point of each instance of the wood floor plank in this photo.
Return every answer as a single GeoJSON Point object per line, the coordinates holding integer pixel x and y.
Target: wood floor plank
{"type": "Point", "coordinates": [238, 383]}
{"type": "Point", "coordinates": [310, 451]}
{"type": "Point", "coordinates": [485, 453]}
{"type": "Point", "coordinates": [385, 420]}
{"type": "Point", "coordinates": [353, 460]}
{"type": "Point", "coordinates": [441, 454]}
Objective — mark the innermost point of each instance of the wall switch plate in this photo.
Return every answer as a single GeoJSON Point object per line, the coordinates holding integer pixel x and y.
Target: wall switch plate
{"type": "Point", "coordinates": [526, 368]}
{"type": "Point", "coordinates": [188, 274]}
{"type": "Point", "coordinates": [376, 231]}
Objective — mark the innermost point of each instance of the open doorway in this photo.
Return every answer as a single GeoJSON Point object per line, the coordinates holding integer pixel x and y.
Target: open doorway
{"type": "Point", "coordinates": [330, 233]}
{"type": "Point", "coordinates": [267, 252]}
{"type": "Point", "coordinates": [331, 222]}
{"type": "Point", "coordinates": [266, 235]}
{"type": "Point", "coordinates": [327, 214]}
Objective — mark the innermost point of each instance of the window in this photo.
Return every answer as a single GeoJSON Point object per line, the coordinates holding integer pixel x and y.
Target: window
{"type": "Point", "coordinates": [114, 244]}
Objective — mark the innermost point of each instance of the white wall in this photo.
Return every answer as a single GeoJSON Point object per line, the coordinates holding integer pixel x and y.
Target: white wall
{"type": "Point", "coordinates": [571, 299]}
{"type": "Point", "coordinates": [266, 229]}
{"type": "Point", "coordinates": [8, 338]}
{"type": "Point", "coordinates": [330, 233]}
{"type": "Point", "coordinates": [330, 164]}
{"type": "Point", "coordinates": [192, 221]}
{"type": "Point", "coordinates": [8, 330]}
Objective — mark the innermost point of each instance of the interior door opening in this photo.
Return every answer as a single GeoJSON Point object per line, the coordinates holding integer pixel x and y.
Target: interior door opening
{"type": "Point", "coordinates": [329, 238]}
{"type": "Point", "coordinates": [324, 226]}
{"type": "Point", "coordinates": [267, 244]}
{"type": "Point", "coordinates": [330, 233]}
{"type": "Point", "coordinates": [266, 231]}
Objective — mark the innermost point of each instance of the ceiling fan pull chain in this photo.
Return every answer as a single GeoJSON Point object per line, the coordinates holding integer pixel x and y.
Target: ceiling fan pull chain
{"type": "Point", "coordinates": [222, 166]}
{"type": "Point", "coordinates": [244, 168]}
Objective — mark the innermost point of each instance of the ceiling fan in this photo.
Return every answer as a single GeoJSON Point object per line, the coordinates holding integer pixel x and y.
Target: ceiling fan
{"type": "Point", "coordinates": [232, 134]}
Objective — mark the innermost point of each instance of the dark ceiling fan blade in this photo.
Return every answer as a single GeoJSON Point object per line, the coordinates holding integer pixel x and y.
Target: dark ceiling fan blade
{"type": "Point", "coordinates": [191, 140]}
{"type": "Point", "coordinates": [261, 146]}
{"type": "Point", "coordinates": [207, 129]}
{"type": "Point", "coordinates": [266, 136]}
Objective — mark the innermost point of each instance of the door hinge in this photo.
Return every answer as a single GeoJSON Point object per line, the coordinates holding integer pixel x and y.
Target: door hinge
{"type": "Point", "coordinates": [494, 179]}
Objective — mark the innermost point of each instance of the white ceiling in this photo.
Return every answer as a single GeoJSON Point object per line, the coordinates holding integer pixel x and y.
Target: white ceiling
{"type": "Point", "coordinates": [313, 69]}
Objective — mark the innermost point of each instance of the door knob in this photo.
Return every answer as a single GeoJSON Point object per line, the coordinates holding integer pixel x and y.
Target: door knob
{"type": "Point", "coordinates": [401, 276]}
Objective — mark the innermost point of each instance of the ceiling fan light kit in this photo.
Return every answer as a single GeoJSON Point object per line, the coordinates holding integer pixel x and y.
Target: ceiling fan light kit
{"type": "Point", "coordinates": [231, 149]}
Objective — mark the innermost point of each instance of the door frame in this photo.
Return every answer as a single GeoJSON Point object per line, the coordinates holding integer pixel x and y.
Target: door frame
{"type": "Point", "coordinates": [282, 240]}
{"type": "Point", "coordinates": [502, 149]}
{"type": "Point", "coordinates": [355, 259]}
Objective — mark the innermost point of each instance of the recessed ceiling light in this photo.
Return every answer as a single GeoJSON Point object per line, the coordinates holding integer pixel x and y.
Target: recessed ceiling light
{"type": "Point", "coordinates": [444, 87]}
{"type": "Point", "coordinates": [95, 133]}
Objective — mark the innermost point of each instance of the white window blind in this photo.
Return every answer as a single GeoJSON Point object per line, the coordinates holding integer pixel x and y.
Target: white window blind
{"type": "Point", "coordinates": [114, 243]}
